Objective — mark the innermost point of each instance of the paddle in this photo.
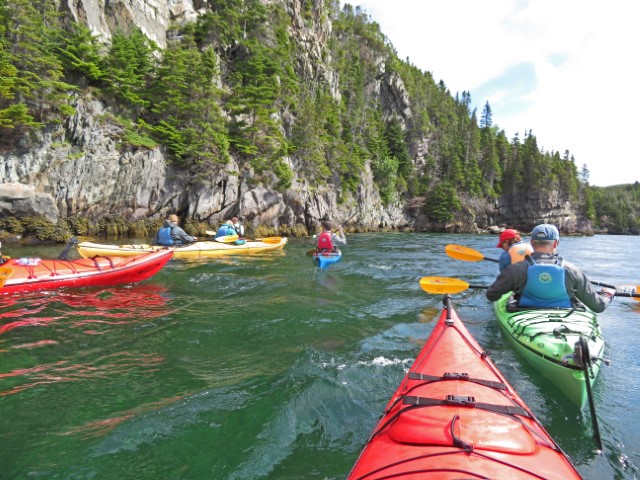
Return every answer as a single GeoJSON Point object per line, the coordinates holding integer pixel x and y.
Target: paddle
{"type": "Point", "coordinates": [65, 252]}
{"type": "Point", "coordinates": [5, 273]}
{"type": "Point", "coordinates": [270, 240]}
{"type": "Point", "coordinates": [586, 361]}
{"type": "Point", "coordinates": [467, 254]}
{"type": "Point", "coordinates": [446, 285]}
{"type": "Point", "coordinates": [470, 255]}
{"type": "Point", "coordinates": [227, 239]}
{"type": "Point", "coordinates": [455, 285]}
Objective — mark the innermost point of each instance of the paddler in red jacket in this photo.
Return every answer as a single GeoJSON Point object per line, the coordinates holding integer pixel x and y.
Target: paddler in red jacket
{"type": "Point", "coordinates": [328, 241]}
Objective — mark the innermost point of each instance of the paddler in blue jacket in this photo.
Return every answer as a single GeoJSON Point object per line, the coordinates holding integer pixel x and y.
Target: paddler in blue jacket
{"type": "Point", "coordinates": [515, 249]}
{"type": "Point", "coordinates": [225, 230]}
{"type": "Point", "coordinates": [545, 280]}
{"type": "Point", "coordinates": [171, 234]}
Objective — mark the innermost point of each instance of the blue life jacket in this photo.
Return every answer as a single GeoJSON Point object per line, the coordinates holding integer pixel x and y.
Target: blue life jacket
{"type": "Point", "coordinates": [545, 285]}
{"type": "Point", "coordinates": [225, 230]}
{"type": "Point", "coordinates": [164, 237]}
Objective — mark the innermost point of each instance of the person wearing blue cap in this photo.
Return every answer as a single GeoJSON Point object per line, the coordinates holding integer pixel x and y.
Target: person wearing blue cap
{"type": "Point", "coordinates": [545, 280]}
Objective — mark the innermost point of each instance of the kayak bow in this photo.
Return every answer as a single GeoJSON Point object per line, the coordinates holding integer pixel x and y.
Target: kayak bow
{"type": "Point", "coordinates": [455, 416]}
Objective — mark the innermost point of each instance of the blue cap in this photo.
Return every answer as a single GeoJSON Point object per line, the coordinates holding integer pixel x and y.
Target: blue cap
{"type": "Point", "coordinates": [546, 231]}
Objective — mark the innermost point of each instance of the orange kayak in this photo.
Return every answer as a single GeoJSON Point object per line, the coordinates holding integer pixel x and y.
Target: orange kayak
{"type": "Point", "coordinates": [455, 416]}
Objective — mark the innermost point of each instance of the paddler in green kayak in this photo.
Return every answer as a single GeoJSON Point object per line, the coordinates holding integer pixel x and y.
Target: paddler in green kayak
{"type": "Point", "coordinates": [515, 249]}
{"type": "Point", "coordinates": [545, 280]}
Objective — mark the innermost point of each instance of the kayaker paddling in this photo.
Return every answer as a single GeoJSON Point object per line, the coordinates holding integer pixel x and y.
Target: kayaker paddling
{"type": "Point", "coordinates": [546, 280]}
{"type": "Point", "coordinates": [515, 248]}
{"type": "Point", "coordinates": [171, 234]}
{"type": "Point", "coordinates": [237, 226]}
{"type": "Point", "coordinates": [329, 241]}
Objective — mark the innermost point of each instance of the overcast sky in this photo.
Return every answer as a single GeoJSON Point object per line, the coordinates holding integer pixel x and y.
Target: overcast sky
{"type": "Point", "coordinates": [565, 69]}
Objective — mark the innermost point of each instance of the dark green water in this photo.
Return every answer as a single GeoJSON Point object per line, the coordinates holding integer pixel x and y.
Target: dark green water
{"type": "Point", "coordinates": [263, 368]}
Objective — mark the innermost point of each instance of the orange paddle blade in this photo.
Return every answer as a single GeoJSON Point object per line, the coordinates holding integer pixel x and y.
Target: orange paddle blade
{"type": "Point", "coordinates": [465, 253]}
{"type": "Point", "coordinates": [271, 240]}
{"type": "Point", "coordinates": [443, 285]}
{"type": "Point", "coordinates": [632, 291]}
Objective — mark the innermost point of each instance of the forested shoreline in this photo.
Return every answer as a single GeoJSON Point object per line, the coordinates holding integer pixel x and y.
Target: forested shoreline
{"type": "Point", "coordinates": [237, 84]}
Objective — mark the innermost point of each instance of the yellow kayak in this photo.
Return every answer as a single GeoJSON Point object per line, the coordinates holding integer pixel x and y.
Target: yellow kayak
{"type": "Point", "coordinates": [191, 251]}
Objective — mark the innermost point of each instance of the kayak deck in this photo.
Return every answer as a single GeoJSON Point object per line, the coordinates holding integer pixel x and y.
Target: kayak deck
{"type": "Point", "coordinates": [324, 259]}
{"type": "Point", "coordinates": [455, 416]}
{"type": "Point", "coordinates": [547, 339]}
{"type": "Point", "coordinates": [196, 250]}
{"type": "Point", "coordinates": [44, 274]}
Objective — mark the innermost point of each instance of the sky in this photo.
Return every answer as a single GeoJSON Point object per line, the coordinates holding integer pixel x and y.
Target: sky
{"type": "Point", "coordinates": [567, 70]}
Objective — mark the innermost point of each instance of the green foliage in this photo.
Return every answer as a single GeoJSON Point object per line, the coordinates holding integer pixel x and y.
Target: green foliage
{"type": "Point", "coordinates": [129, 65]}
{"type": "Point", "coordinates": [617, 208]}
{"type": "Point", "coordinates": [310, 136]}
{"type": "Point", "coordinates": [384, 164]}
{"type": "Point", "coordinates": [254, 129]}
{"type": "Point", "coordinates": [17, 115]}
{"type": "Point", "coordinates": [236, 82]}
{"type": "Point", "coordinates": [32, 92]}
{"type": "Point", "coordinates": [79, 52]}
{"type": "Point", "coordinates": [185, 114]}
{"type": "Point", "coordinates": [443, 202]}
{"type": "Point", "coordinates": [394, 137]}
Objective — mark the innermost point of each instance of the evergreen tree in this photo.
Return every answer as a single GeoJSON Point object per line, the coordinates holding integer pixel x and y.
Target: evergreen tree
{"type": "Point", "coordinates": [486, 117]}
{"type": "Point", "coordinates": [184, 100]}
{"type": "Point", "coordinates": [308, 137]}
{"type": "Point", "coordinates": [584, 174]}
{"type": "Point", "coordinates": [397, 147]}
{"type": "Point", "coordinates": [31, 87]}
{"type": "Point", "coordinates": [442, 202]}
{"type": "Point", "coordinates": [384, 164]}
{"type": "Point", "coordinates": [129, 66]}
{"type": "Point", "coordinates": [79, 52]}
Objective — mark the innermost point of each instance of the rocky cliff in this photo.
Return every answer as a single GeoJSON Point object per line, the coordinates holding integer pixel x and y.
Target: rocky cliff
{"type": "Point", "coordinates": [80, 168]}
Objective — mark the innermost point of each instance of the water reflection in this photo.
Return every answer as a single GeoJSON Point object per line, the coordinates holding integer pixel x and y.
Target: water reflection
{"type": "Point", "coordinates": [31, 325]}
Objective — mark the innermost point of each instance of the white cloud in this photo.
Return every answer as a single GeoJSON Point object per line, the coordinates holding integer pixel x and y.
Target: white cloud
{"type": "Point", "coordinates": [567, 70]}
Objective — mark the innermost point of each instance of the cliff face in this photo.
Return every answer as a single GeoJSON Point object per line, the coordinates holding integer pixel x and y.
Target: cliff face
{"type": "Point", "coordinates": [80, 169]}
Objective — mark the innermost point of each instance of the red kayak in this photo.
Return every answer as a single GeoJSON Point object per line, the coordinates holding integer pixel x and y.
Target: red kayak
{"type": "Point", "coordinates": [30, 274]}
{"type": "Point", "coordinates": [454, 416]}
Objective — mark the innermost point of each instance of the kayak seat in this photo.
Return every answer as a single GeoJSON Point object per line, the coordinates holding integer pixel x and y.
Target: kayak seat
{"type": "Point", "coordinates": [96, 262]}
{"type": "Point", "coordinates": [438, 427]}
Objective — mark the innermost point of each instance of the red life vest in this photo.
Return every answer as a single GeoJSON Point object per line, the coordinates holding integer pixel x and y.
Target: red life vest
{"type": "Point", "coordinates": [324, 241]}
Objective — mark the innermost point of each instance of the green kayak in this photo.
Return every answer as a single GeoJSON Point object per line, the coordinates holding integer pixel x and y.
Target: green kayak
{"type": "Point", "coordinates": [564, 345]}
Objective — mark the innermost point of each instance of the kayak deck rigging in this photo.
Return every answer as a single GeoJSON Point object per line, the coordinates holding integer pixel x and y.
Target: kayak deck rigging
{"type": "Point", "coordinates": [455, 414]}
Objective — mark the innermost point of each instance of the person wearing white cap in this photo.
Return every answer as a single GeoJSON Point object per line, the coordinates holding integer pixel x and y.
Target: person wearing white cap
{"type": "Point", "coordinates": [545, 280]}
{"type": "Point", "coordinates": [515, 248]}
{"type": "Point", "coordinates": [237, 226]}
